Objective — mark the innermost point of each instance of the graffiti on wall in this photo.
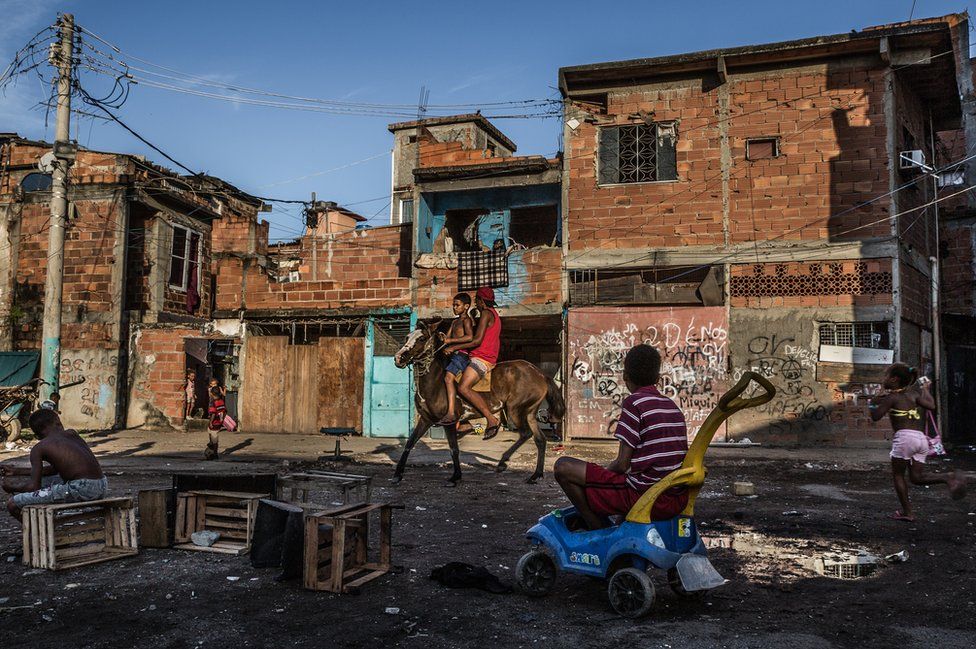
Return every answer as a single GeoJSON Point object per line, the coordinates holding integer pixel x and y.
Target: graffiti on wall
{"type": "Point", "coordinates": [795, 366]}
{"type": "Point", "coordinates": [91, 403]}
{"type": "Point", "coordinates": [693, 343]}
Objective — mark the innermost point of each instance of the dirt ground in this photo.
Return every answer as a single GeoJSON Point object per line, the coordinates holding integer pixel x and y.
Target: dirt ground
{"type": "Point", "coordinates": [170, 598]}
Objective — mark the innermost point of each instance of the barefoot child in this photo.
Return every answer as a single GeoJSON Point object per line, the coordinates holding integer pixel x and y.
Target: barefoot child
{"type": "Point", "coordinates": [653, 443]}
{"type": "Point", "coordinates": [903, 403]}
{"type": "Point", "coordinates": [72, 474]}
{"type": "Point", "coordinates": [461, 332]}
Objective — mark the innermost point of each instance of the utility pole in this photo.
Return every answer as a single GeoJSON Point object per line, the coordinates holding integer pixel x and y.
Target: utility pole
{"type": "Point", "coordinates": [61, 58]}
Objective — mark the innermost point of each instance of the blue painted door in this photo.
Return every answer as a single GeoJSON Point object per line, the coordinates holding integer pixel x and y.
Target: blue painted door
{"type": "Point", "coordinates": [388, 410]}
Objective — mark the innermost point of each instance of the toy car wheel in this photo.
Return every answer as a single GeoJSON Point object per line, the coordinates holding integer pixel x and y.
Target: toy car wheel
{"type": "Point", "coordinates": [535, 573]}
{"type": "Point", "coordinates": [675, 582]}
{"type": "Point", "coordinates": [631, 592]}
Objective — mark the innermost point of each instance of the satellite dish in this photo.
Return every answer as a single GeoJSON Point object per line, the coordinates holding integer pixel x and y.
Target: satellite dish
{"type": "Point", "coordinates": [48, 162]}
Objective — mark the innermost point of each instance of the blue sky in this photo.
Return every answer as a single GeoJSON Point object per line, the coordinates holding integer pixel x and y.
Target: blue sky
{"type": "Point", "coordinates": [376, 52]}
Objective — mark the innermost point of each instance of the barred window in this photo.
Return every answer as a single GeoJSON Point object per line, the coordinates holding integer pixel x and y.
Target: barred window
{"type": "Point", "coordinates": [637, 153]}
{"type": "Point", "coordinates": [873, 335]}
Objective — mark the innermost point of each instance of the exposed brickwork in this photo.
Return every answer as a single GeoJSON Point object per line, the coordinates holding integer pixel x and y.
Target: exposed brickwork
{"type": "Point", "coordinates": [958, 239]}
{"type": "Point", "coordinates": [158, 378]}
{"type": "Point", "coordinates": [833, 283]}
{"type": "Point", "coordinates": [830, 125]}
{"type": "Point", "coordinates": [355, 269]}
{"type": "Point", "coordinates": [916, 295]}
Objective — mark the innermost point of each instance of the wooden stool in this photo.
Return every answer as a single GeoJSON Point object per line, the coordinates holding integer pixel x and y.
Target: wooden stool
{"type": "Point", "coordinates": [67, 535]}
{"type": "Point", "coordinates": [337, 547]}
{"type": "Point", "coordinates": [229, 513]}
{"type": "Point", "coordinates": [295, 488]}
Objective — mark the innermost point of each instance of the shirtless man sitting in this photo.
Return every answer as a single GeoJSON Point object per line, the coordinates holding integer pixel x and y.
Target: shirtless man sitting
{"type": "Point", "coordinates": [72, 475]}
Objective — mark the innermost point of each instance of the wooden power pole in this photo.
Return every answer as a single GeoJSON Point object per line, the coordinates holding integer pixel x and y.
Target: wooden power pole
{"type": "Point", "coordinates": [62, 59]}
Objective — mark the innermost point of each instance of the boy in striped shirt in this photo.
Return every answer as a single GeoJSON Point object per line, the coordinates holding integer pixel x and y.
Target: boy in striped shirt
{"type": "Point", "coordinates": [653, 442]}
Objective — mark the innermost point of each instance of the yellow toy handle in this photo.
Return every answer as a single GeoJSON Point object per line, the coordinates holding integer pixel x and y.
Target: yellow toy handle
{"type": "Point", "coordinates": [730, 401]}
{"type": "Point", "coordinates": [692, 471]}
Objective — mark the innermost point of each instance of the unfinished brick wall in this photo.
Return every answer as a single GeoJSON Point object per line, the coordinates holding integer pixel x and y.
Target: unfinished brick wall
{"type": "Point", "coordinates": [916, 295]}
{"type": "Point", "coordinates": [157, 370]}
{"type": "Point", "coordinates": [356, 269]}
{"type": "Point", "coordinates": [829, 283]}
{"type": "Point", "coordinates": [90, 296]}
{"type": "Point", "coordinates": [829, 121]}
{"type": "Point", "coordinates": [958, 258]}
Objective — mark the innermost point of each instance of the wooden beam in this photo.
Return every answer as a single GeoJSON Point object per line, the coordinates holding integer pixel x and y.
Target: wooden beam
{"type": "Point", "coordinates": [722, 72]}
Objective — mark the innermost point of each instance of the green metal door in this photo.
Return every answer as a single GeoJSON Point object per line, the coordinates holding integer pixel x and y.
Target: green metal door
{"type": "Point", "coordinates": [388, 394]}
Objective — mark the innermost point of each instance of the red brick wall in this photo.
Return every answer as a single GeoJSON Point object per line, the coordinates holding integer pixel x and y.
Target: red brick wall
{"type": "Point", "coordinates": [89, 294]}
{"type": "Point", "coordinates": [830, 160]}
{"type": "Point", "coordinates": [958, 241]}
{"type": "Point", "coordinates": [357, 269]}
{"type": "Point", "coordinates": [159, 362]}
{"type": "Point", "coordinates": [824, 284]}
{"type": "Point", "coordinates": [916, 295]}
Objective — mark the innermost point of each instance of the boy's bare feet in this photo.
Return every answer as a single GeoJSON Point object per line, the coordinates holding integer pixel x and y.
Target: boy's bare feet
{"type": "Point", "coordinates": [898, 516]}
{"type": "Point", "coordinates": [957, 485]}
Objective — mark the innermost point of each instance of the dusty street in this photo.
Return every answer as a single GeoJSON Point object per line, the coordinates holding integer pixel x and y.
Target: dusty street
{"type": "Point", "coordinates": [168, 598]}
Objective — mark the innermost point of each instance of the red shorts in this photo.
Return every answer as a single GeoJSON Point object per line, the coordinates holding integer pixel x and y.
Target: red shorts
{"type": "Point", "coordinates": [608, 493]}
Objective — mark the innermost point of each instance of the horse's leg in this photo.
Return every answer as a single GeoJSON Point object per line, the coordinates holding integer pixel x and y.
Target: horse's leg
{"type": "Point", "coordinates": [540, 444]}
{"type": "Point", "coordinates": [418, 432]}
{"type": "Point", "coordinates": [452, 441]}
{"type": "Point", "coordinates": [518, 423]}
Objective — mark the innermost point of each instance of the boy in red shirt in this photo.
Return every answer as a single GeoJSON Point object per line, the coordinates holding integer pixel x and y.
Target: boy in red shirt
{"type": "Point", "coordinates": [653, 443]}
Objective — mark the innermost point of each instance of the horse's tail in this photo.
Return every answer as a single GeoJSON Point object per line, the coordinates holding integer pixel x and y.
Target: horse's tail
{"type": "Point", "coordinates": [554, 397]}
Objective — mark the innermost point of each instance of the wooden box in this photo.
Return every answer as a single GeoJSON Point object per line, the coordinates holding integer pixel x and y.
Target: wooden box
{"type": "Point", "coordinates": [337, 547]}
{"type": "Point", "coordinates": [68, 535]}
{"type": "Point", "coordinates": [229, 513]}
{"type": "Point", "coordinates": [310, 489]}
{"type": "Point", "coordinates": [157, 510]}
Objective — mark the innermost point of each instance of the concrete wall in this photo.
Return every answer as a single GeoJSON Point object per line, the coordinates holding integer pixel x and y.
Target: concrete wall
{"type": "Point", "coordinates": [91, 405]}
{"type": "Point", "coordinates": [811, 405]}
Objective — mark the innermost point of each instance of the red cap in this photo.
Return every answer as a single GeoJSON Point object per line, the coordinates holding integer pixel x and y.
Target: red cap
{"type": "Point", "coordinates": [486, 294]}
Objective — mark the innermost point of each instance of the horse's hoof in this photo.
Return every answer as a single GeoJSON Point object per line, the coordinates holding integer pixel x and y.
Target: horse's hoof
{"type": "Point", "coordinates": [501, 467]}
{"type": "Point", "coordinates": [532, 479]}
{"type": "Point", "coordinates": [453, 481]}
{"type": "Point", "coordinates": [396, 479]}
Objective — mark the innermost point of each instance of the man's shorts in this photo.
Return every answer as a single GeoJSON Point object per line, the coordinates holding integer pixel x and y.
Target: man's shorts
{"type": "Point", "coordinates": [608, 493]}
{"type": "Point", "coordinates": [910, 445]}
{"type": "Point", "coordinates": [456, 363]}
{"type": "Point", "coordinates": [481, 366]}
{"type": "Point", "coordinates": [55, 490]}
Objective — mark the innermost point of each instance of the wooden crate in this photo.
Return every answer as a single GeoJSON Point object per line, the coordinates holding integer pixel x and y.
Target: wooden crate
{"type": "Point", "coordinates": [309, 489]}
{"type": "Point", "coordinates": [229, 513]}
{"type": "Point", "coordinates": [68, 535]}
{"type": "Point", "coordinates": [157, 510]}
{"type": "Point", "coordinates": [337, 547]}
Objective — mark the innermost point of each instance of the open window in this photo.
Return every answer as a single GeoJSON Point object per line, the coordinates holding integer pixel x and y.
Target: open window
{"type": "Point", "coordinates": [184, 265]}
{"type": "Point", "coordinates": [534, 226]}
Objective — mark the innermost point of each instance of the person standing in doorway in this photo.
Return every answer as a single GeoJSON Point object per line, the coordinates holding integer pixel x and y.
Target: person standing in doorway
{"type": "Point", "coordinates": [189, 395]}
{"type": "Point", "coordinates": [484, 346]}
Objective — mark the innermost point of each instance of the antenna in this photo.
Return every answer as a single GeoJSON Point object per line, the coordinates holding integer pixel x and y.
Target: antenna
{"type": "Point", "coordinates": [422, 102]}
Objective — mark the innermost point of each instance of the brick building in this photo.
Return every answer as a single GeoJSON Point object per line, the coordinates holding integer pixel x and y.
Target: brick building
{"type": "Point", "coordinates": [137, 255]}
{"type": "Point", "coordinates": [484, 217]}
{"type": "Point", "coordinates": [748, 208]}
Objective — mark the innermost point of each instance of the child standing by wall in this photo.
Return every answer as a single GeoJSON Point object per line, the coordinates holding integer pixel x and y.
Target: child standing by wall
{"type": "Point", "coordinates": [903, 403]}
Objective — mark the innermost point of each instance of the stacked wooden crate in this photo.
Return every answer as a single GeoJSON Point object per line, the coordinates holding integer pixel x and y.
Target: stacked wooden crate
{"type": "Point", "coordinates": [68, 535]}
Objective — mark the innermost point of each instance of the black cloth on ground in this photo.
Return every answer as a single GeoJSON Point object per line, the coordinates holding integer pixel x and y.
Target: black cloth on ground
{"type": "Point", "coordinates": [463, 575]}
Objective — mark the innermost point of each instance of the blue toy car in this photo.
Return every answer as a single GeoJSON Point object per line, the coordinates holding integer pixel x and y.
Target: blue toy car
{"type": "Point", "coordinates": [625, 551]}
